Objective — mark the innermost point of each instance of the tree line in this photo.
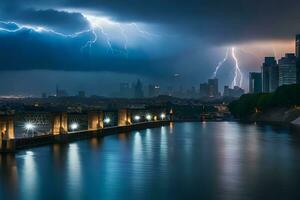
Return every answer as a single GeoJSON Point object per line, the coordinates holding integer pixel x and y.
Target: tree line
{"type": "Point", "coordinates": [285, 96]}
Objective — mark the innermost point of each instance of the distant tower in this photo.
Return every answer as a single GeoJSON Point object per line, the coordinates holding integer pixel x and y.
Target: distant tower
{"type": "Point", "coordinates": [138, 90]}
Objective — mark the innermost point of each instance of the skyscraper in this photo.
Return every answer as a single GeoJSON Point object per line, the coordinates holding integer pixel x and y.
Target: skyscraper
{"type": "Point", "coordinates": [298, 58]}
{"type": "Point", "coordinates": [287, 69]}
{"type": "Point", "coordinates": [138, 90]}
{"type": "Point", "coordinates": [213, 87]}
{"type": "Point", "coordinates": [255, 82]}
{"type": "Point", "coordinates": [270, 74]}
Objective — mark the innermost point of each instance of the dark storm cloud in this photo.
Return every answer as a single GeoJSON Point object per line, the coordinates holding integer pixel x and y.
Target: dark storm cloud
{"type": "Point", "coordinates": [220, 20]}
{"type": "Point", "coordinates": [61, 21]}
{"type": "Point", "coordinates": [192, 21]}
{"type": "Point", "coordinates": [28, 49]}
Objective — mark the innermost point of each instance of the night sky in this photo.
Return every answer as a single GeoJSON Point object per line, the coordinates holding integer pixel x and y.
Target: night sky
{"type": "Point", "coordinates": [94, 45]}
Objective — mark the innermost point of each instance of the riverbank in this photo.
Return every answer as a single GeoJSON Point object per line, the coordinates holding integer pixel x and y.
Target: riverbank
{"type": "Point", "coordinates": [283, 116]}
{"type": "Point", "coordinates": [23, 143]}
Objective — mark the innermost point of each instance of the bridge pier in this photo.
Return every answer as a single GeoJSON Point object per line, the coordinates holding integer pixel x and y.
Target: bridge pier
{"type": "Point", "coordinates": [124, 117]}
{"type": "Point", "coordinates": [60, 124]}
{"type": "Point", "coordinates": [7, 143]}
{"type": "Point", "coordinates": [95, 120]}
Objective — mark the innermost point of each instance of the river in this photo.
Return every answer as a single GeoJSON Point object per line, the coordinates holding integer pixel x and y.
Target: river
{"type": "Point", "coordinates": [213, 160]}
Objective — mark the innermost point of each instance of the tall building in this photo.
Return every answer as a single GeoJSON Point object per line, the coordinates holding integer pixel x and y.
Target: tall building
{"type": "Point", "coordinates": [298, 58]}
{"type": "Point", "coordinates": [270, 74]}
{"type": "Point", "coordinates": [138, 90]}
{"type": "Point", "coordinates": [203, 90]}
{"type": "Point", "coordinates": [213, 87]}
{"type": "Point", "coordinates": [60, 92]}
{"type": "Point", "coordinates": [255, 82]}
{"type": "Point", "coordinates": [287, 69]}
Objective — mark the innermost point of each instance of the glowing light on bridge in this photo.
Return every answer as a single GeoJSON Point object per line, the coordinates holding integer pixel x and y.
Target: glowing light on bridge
{"type": "Point", "coordinates": [74, 126]}
{"type": "Point", "coordinates": [148, 117]}
{"type": "Point", "coordinates": [29, 126]}
{"type": "Point", "coordinates": [107, 120]}
{"type": "Point", "coordinates": [137, 118]}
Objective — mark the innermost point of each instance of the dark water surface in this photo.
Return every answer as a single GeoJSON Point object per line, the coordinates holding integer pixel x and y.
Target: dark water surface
{"type": "Point", "coordinates": [217, 160]}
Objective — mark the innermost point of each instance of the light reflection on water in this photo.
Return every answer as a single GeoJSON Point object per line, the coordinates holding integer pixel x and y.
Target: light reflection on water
{"type": "Point", "coordinates": [222, 160]}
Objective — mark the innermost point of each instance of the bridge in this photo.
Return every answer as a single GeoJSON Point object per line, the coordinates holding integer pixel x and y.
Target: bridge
{"type": "Point", "coordinates": [36, 128]}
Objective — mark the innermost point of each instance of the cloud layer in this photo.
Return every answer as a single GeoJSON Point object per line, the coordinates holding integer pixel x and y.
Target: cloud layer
{"type": "Point", "coordinates": [150, 38]}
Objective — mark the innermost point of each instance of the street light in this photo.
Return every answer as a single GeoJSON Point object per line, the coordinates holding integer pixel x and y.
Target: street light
{"type": "Point", "coordinates": [163, 116]}
{"type": "Point", "coordinates": [148, 117]}
{"type": "Point", "coordinates": [74, 126]}
{"type": "Point", "coordinates": [107, 120]}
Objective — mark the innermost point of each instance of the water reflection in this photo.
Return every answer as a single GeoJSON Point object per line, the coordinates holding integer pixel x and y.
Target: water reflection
{"type": "Point", "coordinates": [8, 177]}
{"type": "Point", "coordinates": [74, 171]}
{"type": "Point", "coordinates": [229, 154]}
{"type": "Point", "coordinates": [137, 160]}
{"type": "Point", "coordinates": [224, 160]}
{"type": "Point", "coordinates": [29, 170]}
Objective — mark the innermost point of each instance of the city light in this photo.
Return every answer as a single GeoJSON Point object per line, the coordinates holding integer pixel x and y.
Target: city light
{"type": "Point", "coordinates": [163, 116]}
{"type": "Point", "coordinates": [148, 117]}
{"type": "Point", "coordinates": [74, 126]}
{"type": "Point", "coordinates": [29, 126]}
{"type": "Point", "coordinates": [137, 118]}
{"type": "Point", "coordinates": [107, 120]}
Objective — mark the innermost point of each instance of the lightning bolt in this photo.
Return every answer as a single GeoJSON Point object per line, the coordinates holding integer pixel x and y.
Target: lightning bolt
{"type": "Point", "coordinates": [238, 76]}
{"type": "Point", "coordinates": [220, 64]}
{"type": "Point", "coordinates": [38, 29]}
{"type": "Point", "coordinates": [146, 34]}
{"type": "Point", "coordinates": [125, 39]}
{"type": "Point", "coordinates": [97, 26]}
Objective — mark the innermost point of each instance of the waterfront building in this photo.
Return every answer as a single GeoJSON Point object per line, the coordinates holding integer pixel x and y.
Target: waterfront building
{"type": "Point", "coordinates": [255, 82]}
{"type": "Point", "coordinates": [287, 69]}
